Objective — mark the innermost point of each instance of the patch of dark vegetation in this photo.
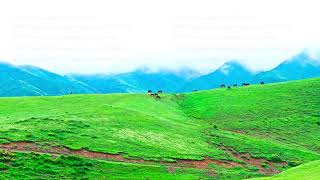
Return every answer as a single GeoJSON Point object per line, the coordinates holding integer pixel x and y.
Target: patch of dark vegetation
{"type": "Point", "coordinates": [294, 163]}
{"type": "Point", "coordinates": [28, 120]}
{"type": "Point", "coordinates": [58, 133]}
{"type": "Point", "coordinates": [265, 165]}
{"type": "Point", "coordinates": [29, 136]}
{"type": "Point", "coordinates": [276, 158]}
{"type": "Point", "coordinates": [253, 168]}
{"type": "Point", "coordinates": [3, 166]}
{"type": "Point", "coordinates": [77, 124]}
{"type": "Point", "coordinates": [316, 115]}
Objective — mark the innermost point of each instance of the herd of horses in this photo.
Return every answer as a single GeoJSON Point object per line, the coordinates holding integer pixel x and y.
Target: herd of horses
{"type": "Point", "coordinates": [156, 95]}
{"type": "Point", "coordinates": [235, 85]}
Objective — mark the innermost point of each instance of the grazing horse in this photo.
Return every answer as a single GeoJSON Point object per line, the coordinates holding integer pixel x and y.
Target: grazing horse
{"type": "Point", "coordinates": [245, 84]}
{"type": "Point", "coordinates": [153, 94]}
{"type": "Point", "coordinates": [160, 91]}
{"type": "Point", "coordinates": [262, 83]}
{"type": "Point", "coordinates": [156, 95]}
{"type": "Point", "coordinates": [223, 86]}
{"type": "Point", "coordinates": [149, 91]}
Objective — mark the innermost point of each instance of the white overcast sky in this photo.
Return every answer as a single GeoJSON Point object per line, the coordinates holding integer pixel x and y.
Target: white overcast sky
{"type": "Point", "coordinates": [111, 36]}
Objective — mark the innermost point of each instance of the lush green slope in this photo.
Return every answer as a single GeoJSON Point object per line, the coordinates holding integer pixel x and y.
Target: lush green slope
{"type": "Point", "coordinates": [136, 124]}
{"type": "Point", "coordinates": [43, 166]}
{"type": "Point", "coordinates": [256, 130]}
{"type": "Point", "coordinates": [310, 171]}
{"type": "Point", "coordinates": [284, 113]}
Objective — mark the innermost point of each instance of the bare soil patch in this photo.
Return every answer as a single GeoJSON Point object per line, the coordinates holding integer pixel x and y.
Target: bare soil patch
{"type": "Point", "coordinates": [60, 150]}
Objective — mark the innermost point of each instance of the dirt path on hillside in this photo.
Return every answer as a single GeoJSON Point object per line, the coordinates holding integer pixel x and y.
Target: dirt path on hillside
{"type": "Point", "coordinates": [59, 150]}
{"type": "Point", "coordinates": [265, 166]}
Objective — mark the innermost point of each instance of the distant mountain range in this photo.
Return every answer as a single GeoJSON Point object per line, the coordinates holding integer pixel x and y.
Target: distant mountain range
{"type": "Point", "coordinates": [34, 81]}
{"type": "Point", "coordinates": [300, 66]}
{"type": "Point", "coordinates": [230, 73]}
{"type": "Point", "coordinates": [136, 81]}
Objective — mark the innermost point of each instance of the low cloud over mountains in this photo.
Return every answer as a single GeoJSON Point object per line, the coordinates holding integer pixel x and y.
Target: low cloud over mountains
{"type": "Point", "coordinates": [33, 81]}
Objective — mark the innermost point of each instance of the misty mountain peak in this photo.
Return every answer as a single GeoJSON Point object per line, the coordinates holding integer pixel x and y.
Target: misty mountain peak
{"type": "Point", "coordinates": [300, 66]}
{"type": "Point", "coordinates": [231, 66]}
{"type": "Point", "coordinates": [302, 59]}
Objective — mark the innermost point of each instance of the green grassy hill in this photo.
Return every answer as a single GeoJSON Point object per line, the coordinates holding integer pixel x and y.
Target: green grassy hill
{"type": "Point", "coordinates": [310, 171]}
{"type": "Point", "coordinates": [233, 133]}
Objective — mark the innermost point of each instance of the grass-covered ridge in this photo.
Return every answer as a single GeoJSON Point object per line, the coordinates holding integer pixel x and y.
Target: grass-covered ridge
{"type": "Point", "coordinates": [134, 124]}
{"type": "Point", "coordinates": [265, 109]}
{"type": "Point", "coordinates": [259, 130]}
{"type": "Point", "coordinates": [284, 113]}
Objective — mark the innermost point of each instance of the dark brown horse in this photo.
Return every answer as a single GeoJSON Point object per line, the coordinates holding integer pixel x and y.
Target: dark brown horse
{"type": "Point", "coordinates": [154, 94]}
